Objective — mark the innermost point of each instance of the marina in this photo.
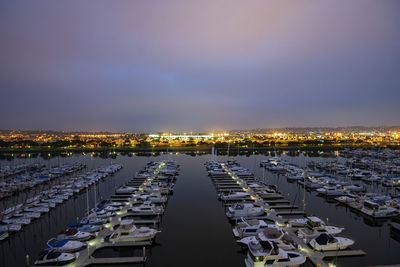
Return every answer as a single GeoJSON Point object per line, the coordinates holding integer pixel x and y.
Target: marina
{"type": "Point", "coordinates": [194, 191]}
{"type": "Point", "coordinates": [272, 221]}
{"type": "Point", "coordinates": [200, 133]}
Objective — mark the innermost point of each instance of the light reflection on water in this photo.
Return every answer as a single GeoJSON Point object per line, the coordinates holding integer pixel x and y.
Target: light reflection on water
{"type": "Point", "coordinates": [195, 230]}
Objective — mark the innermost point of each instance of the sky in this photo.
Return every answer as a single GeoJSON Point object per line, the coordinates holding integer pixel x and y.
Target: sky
{"type": "Point", "coordinates": [198, 65]}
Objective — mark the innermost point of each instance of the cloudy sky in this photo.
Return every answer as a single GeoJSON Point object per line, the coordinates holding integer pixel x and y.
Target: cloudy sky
{"type": "Point", "coordinates": [198, 65]}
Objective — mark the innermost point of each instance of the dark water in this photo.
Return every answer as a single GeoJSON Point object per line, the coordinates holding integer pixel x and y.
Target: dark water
{"type": "Point", "coordinates": [195, 231]}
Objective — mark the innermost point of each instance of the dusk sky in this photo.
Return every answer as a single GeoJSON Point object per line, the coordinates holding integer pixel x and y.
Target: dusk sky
{"type": "Point", "coordinates": [198, 65]}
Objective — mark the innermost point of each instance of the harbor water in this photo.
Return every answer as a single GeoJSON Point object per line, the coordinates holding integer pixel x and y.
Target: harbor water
{"type": "Point", "coordinates": [195, 230]}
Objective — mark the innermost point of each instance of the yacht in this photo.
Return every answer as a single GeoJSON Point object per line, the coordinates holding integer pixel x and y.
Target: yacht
{"type": "Point", "coordinates": [246, 210]}
{"type": "Point", "coordinates": [248, 229]}
{"type": "Point", "coordinates": [315, 226]}
{"type": "Point", "coordinates": [325, 242]}
{"type": "Point", "coordinates": [330, 191]}
{"type": "Point", "coordinates": [89, 228]}
{"type": "Point", "coordinates": [265, 253]}
{"type": "Point", "coordinates": [346, 199]}
{"type": "Point", "coordinates": [10, 227]}
{"type": "Point", "coordinates": [375, 210]}
{"type": "Point", "coordinates": [147, 207]}
{"type": "Point", "coordinates": [154, 197]}
{"type": "Point", "coordinates": [54, 257]}
{"type": "Point", "coordinates": [126, 190]}
{"type": "Point", "coordinates": [21, 220]}
{"type": "Point", "coordinates": [65, 245]}
{"type": "Point", "coordinates": [272, 233]}
{"type": "Point", "coordinates": [74, 234]}
{"type": "Point", "coordinates": [128, 232]}
{"type": "Point", "coordinates": [354, 188]}
{"type": "Point", "coordinates": [31, 215]}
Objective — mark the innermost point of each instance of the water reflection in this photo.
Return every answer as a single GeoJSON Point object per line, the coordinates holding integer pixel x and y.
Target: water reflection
{"type": "Point", "coordinates": [195, 229]}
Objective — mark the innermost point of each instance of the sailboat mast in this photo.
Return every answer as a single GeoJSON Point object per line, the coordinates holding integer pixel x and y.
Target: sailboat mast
{"type": "Point", "coordinates": [87, 199]}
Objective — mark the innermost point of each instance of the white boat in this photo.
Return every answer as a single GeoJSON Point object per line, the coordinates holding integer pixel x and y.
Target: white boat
{"type": "Point", "coordinates": [378, 211]}
{"type": "Point", "coordinates": [10, 228]}
{"type": "Point", "coordinates": [93, 221]}
{"type": "Point", "coordinates": [102, 214]}
{"type": "Point", "coordinates": [326, 242]}
{"type": "Point", "coordinates": [346, 199]}
{"type": "Point", "coordinates": [128, 232]}
{"type": "Point", "coordinates": [246, 210]}
{"type": "Point", "coordinates": [240, 230]}
{"type": "Point", "coordinates": [37, 209]}
{"type": "Point", "coordinates": [265, 253]}
{"type": "Point", "coordinates": [274, 234]}
{"type": "Point", "coordinates": [54, 257]}
{"type": "Point", "coordinates": [17, 221]}
{"type": "Point", "coordinates": [74, 234]}
{"type": "Point", "coordinates": [354, 188]}
{"type": "Point", "coordinates": [44, 204]}
{"type": "Point", "coordinates": [147, 208]}
{"type": "Point", "coordinates": [330, 191]}
{"type": "Point", "coordinates": [65, 245]}
{"type": "Point", "coordinates": [12, 209]}
{"type": "Point", "coordinates": [126, 190]}
{"type": "Point", "coordinates": [32, 215]}
{"type": "Point", "coordinates": [298, 222]}
{"type": "Point", "coordinates": [315, 226]}
{"type": "Point", "coordinates": [154, 197]}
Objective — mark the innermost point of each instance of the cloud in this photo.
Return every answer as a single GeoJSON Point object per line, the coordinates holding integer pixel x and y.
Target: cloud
{"type": "Point", "coordinates": [198, 64]}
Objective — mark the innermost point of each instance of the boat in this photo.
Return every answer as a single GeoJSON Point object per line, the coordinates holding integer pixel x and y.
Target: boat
{"type": "Point", "coordinates": [330, 191]}
{"type": "Point", "coordinates": [21, 220]}
{"type": "Point", "coordinates": [54, 257]}
{"type": "Point", "coordinates": [298, 222]}
{"type": "Point", "coordinates": [315, 226]}
{"type": "Point", "coordinates": [10, 227]}
{"type": "Point", "coordinates": [265, 253]}
{"type": "Point", "coordinates": [246, 210]}
{"type": "Point", "coordinates": [248, 229]}
{"type": "Point", "coordinates": [147, 207]}
{"type": "Point", "coordinates": [31, 215]}
{"type": "Point", "coordinates": [154, 197]}
{"type": "Point", "coordinates": [74, 234]}
{"type": "Point", "coordinates": [376, 210]}
{"type": "Point", "coordinates": [274, 234]}
{"type": "Point", "coordinates": [89, 228]}
{"type": "Point", "coordinates": [126, 190]}
{"type": "Point", "coordinates": [346, 199]}
{"type": "Point", "coordinates": [65, 245]}
{"type": "Point", "coordinates": [128, 232]}
{"type": "Point", "coordinates": [326, 242]}
{"type": "Point", "coordinates": [354, 188]}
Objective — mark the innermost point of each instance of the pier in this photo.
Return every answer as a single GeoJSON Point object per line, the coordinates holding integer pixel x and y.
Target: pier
{"type": "Point", "coordinates": [275, 207]}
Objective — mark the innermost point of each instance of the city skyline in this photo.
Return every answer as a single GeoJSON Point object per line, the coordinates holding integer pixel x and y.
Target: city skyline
{"type": "Point", "coordinates": [198, 66]}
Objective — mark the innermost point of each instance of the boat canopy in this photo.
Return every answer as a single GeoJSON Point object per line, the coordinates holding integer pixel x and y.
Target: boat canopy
{"type": "Point", "coordinates": [324, 239]}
